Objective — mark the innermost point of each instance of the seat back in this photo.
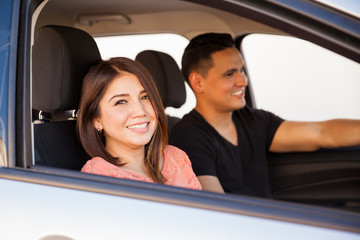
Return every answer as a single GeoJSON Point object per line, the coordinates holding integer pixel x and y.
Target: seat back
{"type": "Point", "coordinates": [168, 79]}
{"type": "Point", "coordinates": [61, 56]}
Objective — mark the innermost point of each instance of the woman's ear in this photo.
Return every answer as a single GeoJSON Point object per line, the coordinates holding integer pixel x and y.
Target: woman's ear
{"type": "Point", "coordinates": [97, 124]}
{"type": "Point", "coordinates": [196, 82]}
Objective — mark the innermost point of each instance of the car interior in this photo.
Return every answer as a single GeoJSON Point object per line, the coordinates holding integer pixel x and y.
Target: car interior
{"type": "Point", "coordinates": [64, 49]}
{"type": "Point", "coordinates": [168, 78]}
{"type": "Point", "coordinates": [64, 55]}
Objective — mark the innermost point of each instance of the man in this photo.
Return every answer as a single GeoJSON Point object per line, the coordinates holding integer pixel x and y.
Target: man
{"type": "Point", "coordinates": [227, 141]}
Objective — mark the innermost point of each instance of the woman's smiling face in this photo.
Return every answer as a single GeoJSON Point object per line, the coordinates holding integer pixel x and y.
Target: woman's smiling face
{"type": "Point", "coordinates": [126, 114]}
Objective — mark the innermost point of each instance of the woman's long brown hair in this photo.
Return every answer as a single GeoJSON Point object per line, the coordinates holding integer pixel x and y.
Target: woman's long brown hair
{"type": "Point", "coordinates": [94, 87]}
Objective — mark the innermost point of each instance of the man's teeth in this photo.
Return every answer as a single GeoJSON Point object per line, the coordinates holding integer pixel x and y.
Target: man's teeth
{"type": "Point", "coordinates": [238, 93]}
{"type": "Point", "coordinates": [138, 126]}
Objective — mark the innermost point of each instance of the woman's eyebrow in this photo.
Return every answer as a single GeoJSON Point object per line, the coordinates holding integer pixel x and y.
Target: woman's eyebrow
{"type": "Point", "coordinates": [118, 95]}
{"type": "Point", "coordinates": [124, 95]}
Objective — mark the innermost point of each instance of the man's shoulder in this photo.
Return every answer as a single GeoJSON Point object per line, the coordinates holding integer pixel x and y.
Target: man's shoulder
{"type": "Point", "coordinates": [250, 111]}
{"type": "Point", "coordinates": [192, 120]}
{"type": "Point", "coordinates": [192, 127]}
{"type": "Point", "coordinates": [250, 114]}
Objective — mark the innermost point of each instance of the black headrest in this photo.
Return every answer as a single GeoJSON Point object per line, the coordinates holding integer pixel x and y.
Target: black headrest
{"type": "Point", "coordinates": [167, 76]}
{"type": "Point", "coordinates": [61, 58]}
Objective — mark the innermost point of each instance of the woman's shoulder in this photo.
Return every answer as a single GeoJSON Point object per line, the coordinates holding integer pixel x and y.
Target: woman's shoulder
{"type": "Point", "coordinates": [170, 149]}
{"type": "Point", "coordinates": [177, 169]}
{"type": "Point", "coordinates": [96, 161]}
{"type": "Point", "coordinates": [174, 155]}
{"type": "Point", "coordinates": [97, 165]}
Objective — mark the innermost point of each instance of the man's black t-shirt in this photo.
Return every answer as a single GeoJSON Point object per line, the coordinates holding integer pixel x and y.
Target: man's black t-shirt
{"type": "Point", "coordinates": [240, 169]}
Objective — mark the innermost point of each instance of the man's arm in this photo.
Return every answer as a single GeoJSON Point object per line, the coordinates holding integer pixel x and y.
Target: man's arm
{"type": "Point", "coordinates": [210, 183]}
{"type": "Point", "coordinates": [310, 136]}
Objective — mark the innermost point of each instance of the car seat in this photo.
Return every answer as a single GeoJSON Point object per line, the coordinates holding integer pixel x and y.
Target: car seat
{"type": "Point", "coordinates": [168, 79]}
{"type": "Point", "coordinates": [61, 56]}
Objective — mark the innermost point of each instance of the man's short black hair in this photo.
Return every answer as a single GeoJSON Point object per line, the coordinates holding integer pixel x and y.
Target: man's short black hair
{"type": "Point", "coordinates": [197, 55]}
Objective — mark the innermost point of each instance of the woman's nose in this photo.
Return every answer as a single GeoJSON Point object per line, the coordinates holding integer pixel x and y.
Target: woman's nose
{"type": "Point", "coordinates": [138, 110]}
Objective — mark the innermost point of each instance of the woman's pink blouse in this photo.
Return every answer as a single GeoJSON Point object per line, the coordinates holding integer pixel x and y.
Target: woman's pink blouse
{"type": "Point", "coordinates": [177, 169]}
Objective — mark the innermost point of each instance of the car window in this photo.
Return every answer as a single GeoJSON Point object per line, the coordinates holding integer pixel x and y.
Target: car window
{"type": "Point", "coordinates": [172, 44]}
{"type": "Point", "coordinates": [298, 80]}
{"type": "Point", "coordinates": [350, 7]}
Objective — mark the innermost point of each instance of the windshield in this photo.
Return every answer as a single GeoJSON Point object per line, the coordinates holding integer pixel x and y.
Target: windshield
{"type": "Point", "coordinates": [351, 7]}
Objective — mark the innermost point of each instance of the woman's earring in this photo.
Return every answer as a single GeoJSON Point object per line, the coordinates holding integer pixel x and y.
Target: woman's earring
{"type": "Point", "coordinates": [99, 130]}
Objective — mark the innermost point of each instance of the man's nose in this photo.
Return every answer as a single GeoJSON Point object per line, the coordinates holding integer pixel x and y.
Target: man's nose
{"type": "Point", "coordinates": [241, 79]}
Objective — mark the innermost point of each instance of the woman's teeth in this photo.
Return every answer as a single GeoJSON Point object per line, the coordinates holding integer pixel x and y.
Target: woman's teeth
{"type": "Point", "coordinates": [140, 126]}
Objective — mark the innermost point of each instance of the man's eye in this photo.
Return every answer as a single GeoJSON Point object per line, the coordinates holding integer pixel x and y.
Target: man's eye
{"type": "Point", "coordinates": [229, 74]}
{"type": "Point", "coordinates": [120, 102]}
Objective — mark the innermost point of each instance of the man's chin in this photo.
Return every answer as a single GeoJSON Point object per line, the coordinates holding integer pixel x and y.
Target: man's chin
{"type": "Point", "coordinates": [240, 106]}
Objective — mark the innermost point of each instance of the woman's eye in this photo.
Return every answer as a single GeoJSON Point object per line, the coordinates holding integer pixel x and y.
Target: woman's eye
{"type": "Point", "coordinates": [145, 97]}
{"type": "Point", "coordinates": [120, 102]}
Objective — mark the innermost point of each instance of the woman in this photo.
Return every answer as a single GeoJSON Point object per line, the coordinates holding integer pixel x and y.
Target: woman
{"type": "Point", "coordinates": [122, 125]}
